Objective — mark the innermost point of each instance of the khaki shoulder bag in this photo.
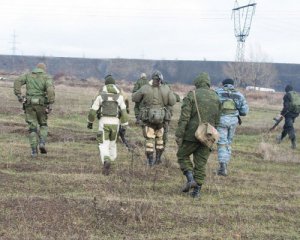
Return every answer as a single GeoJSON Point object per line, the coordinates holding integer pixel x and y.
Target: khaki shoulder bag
{"type": "Point", "coordinates": [205, 133]}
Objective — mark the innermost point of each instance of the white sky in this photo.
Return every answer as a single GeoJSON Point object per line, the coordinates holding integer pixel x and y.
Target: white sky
{"type": "Point", "coordinates": [148, 29]}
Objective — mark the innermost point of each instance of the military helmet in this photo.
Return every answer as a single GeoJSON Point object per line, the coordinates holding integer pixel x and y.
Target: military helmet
{"type": "Point", "coordinates": [156, 75]}
{"type": "Point", "coordinates": [109, 79]}
{"type": "Point", "coordinates": [143, 75]}
{"type": "Point", "coordinates": [41, 65]}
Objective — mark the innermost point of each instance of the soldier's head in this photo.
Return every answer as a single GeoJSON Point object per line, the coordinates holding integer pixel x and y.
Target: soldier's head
{"type": "Point", "coordinates": [41, 65]}
{"type": "Point", "coordinates": [109, 79]}
{"type": "Point", "coordinates": [227, 81]}
{"type": "Point", "coordinates": [157, 77]}
{"type": "Point", "coordinates": [202, 80]}
{"type": "Point", "coordinates": [288, 88]}
{"type": "Point", "coordinates": [143, 75]}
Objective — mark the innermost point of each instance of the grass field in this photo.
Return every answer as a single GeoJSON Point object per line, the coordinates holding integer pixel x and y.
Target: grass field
{"type": "Point", "coordinates": [64, 195]}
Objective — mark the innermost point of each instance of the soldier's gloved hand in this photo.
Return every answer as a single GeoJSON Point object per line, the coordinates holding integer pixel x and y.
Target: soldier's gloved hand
{"type": "Point", "coordinates": [178, 141]}
{"type": "Point", "coordinates": [49, 109]}
{"type": "Point", "coordinates": [90, 125]}
{"type": "Point", "coordinates": [278, 118]}
{"type": "Point", "coordinates": [20, 99]}
{"type": "Point", "coordinates": [122, 130]}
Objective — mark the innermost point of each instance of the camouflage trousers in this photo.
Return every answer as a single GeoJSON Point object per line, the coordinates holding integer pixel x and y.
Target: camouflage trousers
{"type": "Point", "coordinates": [226, 130]}
{"type": "Point", "coordinates": [107, 138]}
{"type": "Point", "coordinates": [153, 138]}
{"type": "Point", "coordinates": [36, 117]}
{"type": "Point", "coordinates": [198, 164]}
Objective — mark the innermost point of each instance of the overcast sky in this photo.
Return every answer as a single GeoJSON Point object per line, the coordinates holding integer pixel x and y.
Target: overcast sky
{"type": "Point", "coordinates": [148, 29]}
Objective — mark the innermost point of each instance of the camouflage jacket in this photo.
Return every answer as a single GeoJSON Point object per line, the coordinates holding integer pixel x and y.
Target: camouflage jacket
{"type": "Point", "coordinates": [110, 89]}
{"type": "Point", "coordinates": [149, 95]}
{"type": "Point", "coordinates": [139, 83]}
{"type": "Point", "coordinates": [228, 92]}
{"type": "Point", "coordinates": [38, 84]}
{"type": "Point", "coordinates": [209, 108]}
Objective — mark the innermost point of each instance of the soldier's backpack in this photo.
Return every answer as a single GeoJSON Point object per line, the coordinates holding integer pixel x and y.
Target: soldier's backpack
{"type": "Point", "coordinates": [228, 104]}
{"type": "Point", "coordinates": [109, 107]}
{"type": "Point", "coordinates": [156, 115]}
{"type": "Point", "coordinates": [295, 102]}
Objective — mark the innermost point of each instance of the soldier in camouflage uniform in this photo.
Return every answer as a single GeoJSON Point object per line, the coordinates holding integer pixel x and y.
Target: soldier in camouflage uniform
{"type": "Point", "coordinates": [139, 83]}
{"type": "Point", "coordinates": [289, 113]}
{"type": "Point", "coordinates": [37, 104]}
{"type": "Point", "coordinates": [154, 98]}
{"type": "Point", "coordinates": [234, 105]}
{"type": "Point", "coordinates": [113, 113]}
{"type": "Point", "coordinates": [210, 109]}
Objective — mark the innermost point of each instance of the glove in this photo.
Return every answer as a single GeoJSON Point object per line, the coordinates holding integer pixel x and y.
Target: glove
{"type": "Point", "coordinates": [278, 118]}
{"type": "Point", "coordinates": [178, 141]}
{"type": "Point", "coordinates": [20, 99]}
{"type": "Point", "coordinates": [122, 130]}
{"type": "Point", "coordinates": [49, 109]}
{"type": "Point", "coordinates": [90, 125]}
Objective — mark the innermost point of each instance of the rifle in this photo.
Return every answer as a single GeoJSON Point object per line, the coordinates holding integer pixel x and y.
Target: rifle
{"type": "Point", "coordinates": [122, 133]}
{"type": "Point", "coordinates": [277, 121]}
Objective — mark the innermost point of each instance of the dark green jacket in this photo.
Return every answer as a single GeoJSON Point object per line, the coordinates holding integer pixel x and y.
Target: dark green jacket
{"type": "Point", "coordinates": [149, 95]}
{"type": "Point", "coordinates": [38, 84]}
{"type": "Point", "coordinates": [209, 107]}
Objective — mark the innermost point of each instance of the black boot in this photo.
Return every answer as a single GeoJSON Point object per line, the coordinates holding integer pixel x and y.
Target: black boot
{"type": "Point", "coordinates": [42, 147]}
{"type": "Point", "coordinates": [158, 156]}
{"type": "Point", "coordinates": [196, 191]}
{"type": "Point", "coordinates": [223, 169]}
{"type": "Point", "coordinates": [190, 182]}
{"type": "Point", "coordinates": [106, 168]}
{"type": "Point", "coordinates": [150, 160]}
{"type": "Point", "coordinates": [293, 143]}
{"type": "Point", "coordinates": [33, 152]}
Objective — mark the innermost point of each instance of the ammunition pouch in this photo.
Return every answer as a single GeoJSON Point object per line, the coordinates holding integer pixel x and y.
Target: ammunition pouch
{"type": "Point", "coordinates": [36, 101]}
{"type": "Point", "coordinates": [156, 115]}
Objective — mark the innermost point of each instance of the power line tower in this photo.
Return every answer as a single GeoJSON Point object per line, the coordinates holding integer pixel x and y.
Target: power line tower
{"type": "Point", "coordinates": [242, 16]}
{"type": "Point", "coordinates": [14, 44]}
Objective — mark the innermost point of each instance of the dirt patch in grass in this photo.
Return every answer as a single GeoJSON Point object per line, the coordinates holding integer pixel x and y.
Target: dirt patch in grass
{"type": "Point", "coordinates": [21, 167]}
{"type": "Point", "coordinates": [68, 135]}
{"type": "Point", "coordinates": [250, 130]}
{"type": "Point", "coordinates": [14, 127]}
{"type": "Point", "coordinates": [47, 217]}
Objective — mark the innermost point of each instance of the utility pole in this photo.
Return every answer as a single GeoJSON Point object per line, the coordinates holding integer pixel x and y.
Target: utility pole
{"type": "Point", "coordinates": [242, 16]}
{"type": "Point", "coordinates": [14, 44]}
{"type": "Point", "coordinates": [13, 49]}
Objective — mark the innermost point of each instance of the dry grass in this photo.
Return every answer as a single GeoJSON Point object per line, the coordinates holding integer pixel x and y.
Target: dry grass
{"type": "Point", "coordinates": [65, 196]}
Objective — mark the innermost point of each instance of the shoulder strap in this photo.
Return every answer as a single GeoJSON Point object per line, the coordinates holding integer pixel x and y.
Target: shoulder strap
{"type": "Point", "coordinates": [197, 106]}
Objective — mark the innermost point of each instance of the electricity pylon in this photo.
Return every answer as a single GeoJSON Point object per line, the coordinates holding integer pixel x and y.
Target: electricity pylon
{"type": "Point", "coordinates": [242, 16]}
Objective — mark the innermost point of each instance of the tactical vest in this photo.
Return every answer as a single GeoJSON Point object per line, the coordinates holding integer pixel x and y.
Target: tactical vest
{"type": "Point", "coordinates": [295, 102]}
{"type": "Point", "coordinates": [228, 103]}
{"type": "Point", "coordinates": [109, 106]}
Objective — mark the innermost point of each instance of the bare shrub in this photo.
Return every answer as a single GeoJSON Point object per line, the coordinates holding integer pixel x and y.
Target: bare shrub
{"type": "Point", "coordinates": [271, 152]}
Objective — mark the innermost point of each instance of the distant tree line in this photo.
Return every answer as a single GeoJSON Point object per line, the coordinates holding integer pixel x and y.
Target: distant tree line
{"type": "Point", "coordinates": [256, 73]}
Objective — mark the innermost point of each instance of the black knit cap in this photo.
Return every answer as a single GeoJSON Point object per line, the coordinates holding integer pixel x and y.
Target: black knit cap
{"type": "Point", "coordinates": [109, 80]}
{"type": "Point", "coordinates": [228, 81]}
{"type": "Point", "coordinates": [288, 88]}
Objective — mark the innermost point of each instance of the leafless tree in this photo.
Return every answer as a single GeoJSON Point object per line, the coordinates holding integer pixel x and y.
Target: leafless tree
{"type": "Point", "coordinates": [256, 71]}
